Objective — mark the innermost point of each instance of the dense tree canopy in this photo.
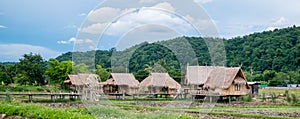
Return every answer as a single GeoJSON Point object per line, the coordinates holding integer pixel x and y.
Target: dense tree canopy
{"type": "Point", "coordinates": [4, 77]}
{"type": "Point", "coordinates": [266, 56]}
{"type": "Point", "coordinates": [269, 56]}
{"type": "Point", "coordinates": [58, 71]}
{"type": "Point", "coordinates": [102, 73]}
{"type": "Point", "coordinates": [31, 69]}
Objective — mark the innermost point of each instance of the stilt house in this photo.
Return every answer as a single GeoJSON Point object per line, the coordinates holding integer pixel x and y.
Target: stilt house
{"type": "Point", "coordinates": [159, 83]}
{"type": "Point", "coordinates": [120, 83]}
{"type": "Point", "coordinates": [214, 80]}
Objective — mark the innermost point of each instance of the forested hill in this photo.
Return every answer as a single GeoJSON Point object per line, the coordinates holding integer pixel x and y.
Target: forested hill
{"type": "Point", "coordinates": [277, 50]}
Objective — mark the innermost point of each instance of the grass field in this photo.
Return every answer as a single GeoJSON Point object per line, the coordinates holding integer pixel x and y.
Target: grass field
{"type": "Point", "coordinates": [146, 110]}
{"type": "Point", "coordinates": [155, 108]}
{"type": "Point", "coordinates": [279, 91]}
{"type": "Point", "coordinates": [40, 89]}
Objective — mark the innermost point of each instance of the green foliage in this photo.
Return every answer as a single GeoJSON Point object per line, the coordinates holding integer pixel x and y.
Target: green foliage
{"type": "Point", "coordinates": [80, 68]}
{"type": "Point", "coordinates": [279, 78]}
{"type": "Point", "coordinates": [102, 73]}
{"type": "Point", "coordinates": [8, 97]}
{"type": "Point", "coordinates": [6, 74]}
{"type": "Point", "coordinates": [288, 98]}
{"type": "Point", "coordinates": [22, 88]}
{"type": "Point", "coordinates": [293, 77]}
{"type": "Point", "coordinates": [247, 98]}
{"type": "Point", "coordinates": [141, 74]}
{"type": "Point", "coordinates": [273, 97]}
{"type": "Point", "coordinates": [263, 82]}
{"type": "Point", "coordinates": [40, 111]}
{"type": "Point", "coordinates": [32, 68]}
{"type": "Point", "coordinates": [264, 97]}
{"type": "Point", "coordinates": [4, 78]}
{"type": "Point", "coordinates": [262, 55]}
{"type": "Point", "coordinates": [117, 113]}
{"type": "Point", "coordinates": [295, 99]}
{"type": "Point", "coordinates": [58, 71]}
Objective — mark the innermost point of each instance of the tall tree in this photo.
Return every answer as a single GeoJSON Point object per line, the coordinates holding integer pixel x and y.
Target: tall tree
{"type": "Point", "coordinates": [10, 70]}
{"type": "Point", "coordinates": [4, 78]}
{"type": "Point", "coordinates": [102, 73]}
{"type": "Point", "coordinates": [32, 67]}
{"type": "Point", "coordinates": [58, 71]}
{"type": "Point", "coordinates": [80, 68]}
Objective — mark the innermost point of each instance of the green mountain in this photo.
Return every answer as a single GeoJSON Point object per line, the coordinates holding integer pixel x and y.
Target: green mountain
{"type": "Point", "coordinates": [277, 51]}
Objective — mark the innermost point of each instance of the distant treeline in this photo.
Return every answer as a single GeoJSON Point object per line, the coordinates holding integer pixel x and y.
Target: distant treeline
{"type": "Point", "coordinates": [270, 56]}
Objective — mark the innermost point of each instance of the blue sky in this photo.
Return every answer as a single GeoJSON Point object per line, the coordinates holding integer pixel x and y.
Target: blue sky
{"type": "Point", "coordinates": [50, 28]}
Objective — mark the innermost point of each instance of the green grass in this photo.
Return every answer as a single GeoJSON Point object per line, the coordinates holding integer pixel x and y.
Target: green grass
{"type": "Point", "coordinates": [39, 111]}
{"type": "Point", "coordinates": [260, 116]}
{"type": "Point", "coordinates": [47, 100]}
{"type": "Point", "coordinates": [278, 91]}
{"type": "Point", "coordinates": [32, 110]}
{"type": "Point", "coordinates": [119, 110]}
{"type": "Point", "coordinates": [117, 113]}
{"type": "Point", "coordinates": [236, 111]}
{"type": "Point", "coordinates": [18, 88]}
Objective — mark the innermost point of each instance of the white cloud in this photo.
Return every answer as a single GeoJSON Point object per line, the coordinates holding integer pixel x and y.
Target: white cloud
{"type": "Point", "coordinates": [2, 27]}
{"type": "Point", "coordinates": [103, 14]}
{"type": "Point", "coordinates": [200, 23]}
{"type": "Point", "coordinates": [74, 40]}
{"type": "Point", "coordinates": [165, 6]}
{"type": "Point", "coordinates": [132, 20]}
{"type": "Point", "coordinates": [279, 23]}
{"type": "Point", "coordinates": [203, 1]}
{"type": "Point", "coordinates": [147, 1]}
{"type": "Point", "coordinates": [13, 52]}
{"type": "Point", "coordinates": [82, 14]}
{"type": "Point", "coordinates": [95, 28]}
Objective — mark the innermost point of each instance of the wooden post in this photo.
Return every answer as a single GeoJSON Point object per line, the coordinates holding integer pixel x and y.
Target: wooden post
{"type": "Point", "coordinates": [30, 97]}
{"type": "Point", "coordinates": [229, 99]}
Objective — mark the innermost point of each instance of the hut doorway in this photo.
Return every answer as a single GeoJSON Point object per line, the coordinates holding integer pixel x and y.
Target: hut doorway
{"type": "Point", "coordinates": [165, 90]}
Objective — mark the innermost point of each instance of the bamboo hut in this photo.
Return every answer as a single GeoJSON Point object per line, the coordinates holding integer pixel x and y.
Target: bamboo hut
{"type": "Point", "coordinates": [120, 83]}
{"type": "Point", "coordinates": [213, 80]}
{"type": "Point", "coordinates": [82, 81]}
{"type": "Point", "coordinates": [159, 83]}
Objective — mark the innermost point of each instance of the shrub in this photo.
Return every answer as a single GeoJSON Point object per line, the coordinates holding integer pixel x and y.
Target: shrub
{"type": "Point", "coordinates": [8, 97]}
{"type": "Point", "coordinates": [247, 98]}
{"type": "Point", "coordinates": [288, 98]}
{"type": "Point", "coordinates": [40, 111]}
{"type": "Point", "coordinates": [273, 97]}
{"type": "Point", "coordinates": [286, 92]}
{"type": "Point", "coordinates": [264, 97]}
{"type": "Point", "coordinates": [294, 99]}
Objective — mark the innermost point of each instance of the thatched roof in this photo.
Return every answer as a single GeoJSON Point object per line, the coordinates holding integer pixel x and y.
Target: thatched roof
{"type": "Point", "coordinates": [160, 80]}
{"type": "Point", "coordinates": [197, 75]}
{"type": "Point", "coordinates": [215, 76]}
{"type": "Point", "coordinates": [121, 79]}
{"type": "Point", "coordinates": [82, 79]}
{"type": "Point", "coordinates": [239, 80]}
